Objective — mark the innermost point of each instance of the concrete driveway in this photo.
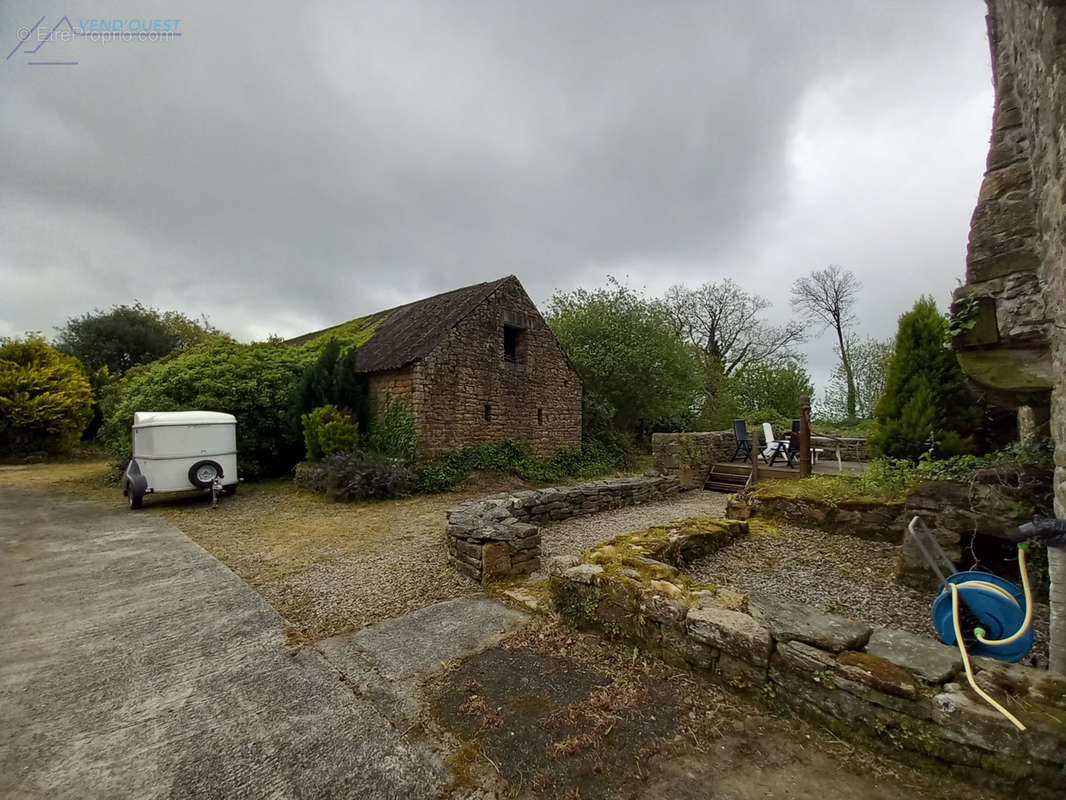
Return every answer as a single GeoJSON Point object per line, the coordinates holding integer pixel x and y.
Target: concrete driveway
{"type": "Point", "coordinates": [133, 664]}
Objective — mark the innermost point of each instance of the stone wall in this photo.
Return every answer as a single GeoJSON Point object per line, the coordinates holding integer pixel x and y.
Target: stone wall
{"type": "Point", "coordinates": [1016, 264]}
{"type": "Point", "coordinates": [690, 456]}
{"type": "Point", "coordinates": [889, 688]}
{"type": "Point", "coordinates": [466, 391]}
{"type": "Point", "coordinates": [867, 519]}
{"type": "Point", "coordinates": [1016, 232]}
{"type": "Point", "coordinates": [498, 536]}
{"type": "Point", "coordinates": [397, 383]}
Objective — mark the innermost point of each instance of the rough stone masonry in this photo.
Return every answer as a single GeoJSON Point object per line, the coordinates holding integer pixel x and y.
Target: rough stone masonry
{"type": "Point", "coordinates": [499, 536]}
{"type": "Point", "coordinates": [1015, 290]}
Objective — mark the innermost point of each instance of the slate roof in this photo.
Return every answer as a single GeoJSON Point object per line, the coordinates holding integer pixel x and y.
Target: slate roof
{"type": "Point", "coordinates": [408, 332]}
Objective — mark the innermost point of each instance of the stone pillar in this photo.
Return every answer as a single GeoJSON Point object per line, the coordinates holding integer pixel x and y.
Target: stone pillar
{"type": "Point", "coordinates": [1034, 423]}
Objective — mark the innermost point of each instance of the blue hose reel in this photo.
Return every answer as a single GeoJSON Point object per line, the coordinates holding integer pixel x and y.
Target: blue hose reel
{"type": "Point", "coordinates": [992, 611]}
{"type": "Point", "coordinates": [1000, 613]}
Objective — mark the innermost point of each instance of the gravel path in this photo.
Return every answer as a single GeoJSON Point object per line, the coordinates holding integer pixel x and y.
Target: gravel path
{"type": "Point", "coordinates": [574, 536]}
{"type": "Point", "coordinates": [840, 574]}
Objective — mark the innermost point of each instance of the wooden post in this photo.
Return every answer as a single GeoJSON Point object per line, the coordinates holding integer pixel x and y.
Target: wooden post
{"type": "Point", "coordinates": [754, 458]}
{"type": "Point", "coordinates": [805, 437]}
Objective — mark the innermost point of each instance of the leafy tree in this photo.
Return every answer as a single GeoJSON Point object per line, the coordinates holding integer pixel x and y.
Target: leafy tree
{"type": "Point", "coordinates": [726, 324]}
{"type": "Point", "coordinates": [774, 392]}
{"type": "Point", "coordinates": [254, 382]}
{"type": "Point", "coordinates": [125, 336]}
{"type": "Point", "coordinates": [829, 296]}
{"type": "Point", "coordinates": [926, 403]}
{"type": "Point", "coordinates": [632, 364]}
{"type": "Point", "coordinates": [869, 363]}
{"type": "Point", "coordinates": [45, 397]}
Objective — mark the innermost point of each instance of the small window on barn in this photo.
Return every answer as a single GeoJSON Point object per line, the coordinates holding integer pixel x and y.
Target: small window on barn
{"type": "Point", "coordinates": [514, 344]}
{"type": "Point", "coordinates": [540, 416]}
{"type": "Point", "coordinates": [488, 412]}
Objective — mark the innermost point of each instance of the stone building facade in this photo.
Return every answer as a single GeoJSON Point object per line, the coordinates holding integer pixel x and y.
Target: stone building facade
{"type": "Point", "coordinates": [475, 365]}
{"type": "Point", "coordinates": [1015, 292]}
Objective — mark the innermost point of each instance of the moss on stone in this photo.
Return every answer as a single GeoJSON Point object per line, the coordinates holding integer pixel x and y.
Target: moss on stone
{"type": "Point", "coordinates": [764, 527]}
{"type": "Point", "coordinates": [830, 490]}
{"type": "Point", "coordinates": [1004, 369]}
{"type": "Point", "coordinates": [462, 760]}
{"type": "Point", "coordinates": [884, 674]}
{"type": "Point", "coordinates": [636, 559]}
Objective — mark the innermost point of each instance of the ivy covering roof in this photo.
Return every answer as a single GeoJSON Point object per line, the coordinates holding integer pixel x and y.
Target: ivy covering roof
{"type": "Point", "coordinates": [395, 337]}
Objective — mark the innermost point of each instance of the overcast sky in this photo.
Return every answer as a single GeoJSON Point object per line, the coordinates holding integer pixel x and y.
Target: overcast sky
{"type": "Point", "coordinates": [281, 167]}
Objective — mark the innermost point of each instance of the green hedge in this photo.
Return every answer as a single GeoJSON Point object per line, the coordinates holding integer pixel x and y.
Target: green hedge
{"type": "Point", "coordinates": [253, 382]}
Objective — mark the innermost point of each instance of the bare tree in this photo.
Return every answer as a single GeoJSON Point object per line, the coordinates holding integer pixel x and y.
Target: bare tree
{"type": "Point", "coordinates": [726, 323]}
{"type": "Point", "coordinates": [869, 364]}
{"type": "Point", "coordinates": [828, 296]}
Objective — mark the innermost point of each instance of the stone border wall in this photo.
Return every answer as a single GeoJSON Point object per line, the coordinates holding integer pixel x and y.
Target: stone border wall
{"type": "Point", "coordinates": [889, 688]}
{"type": "Point", "coordinates": [690, 456]}
{"type": "Point", "coordinates": [499, 536]}
{"type": "Point", "coordinates": [880, 521]}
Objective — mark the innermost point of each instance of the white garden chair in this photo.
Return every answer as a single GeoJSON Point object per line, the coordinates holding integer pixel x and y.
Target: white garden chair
{"type": "Point", "coordinates": [774, 447]}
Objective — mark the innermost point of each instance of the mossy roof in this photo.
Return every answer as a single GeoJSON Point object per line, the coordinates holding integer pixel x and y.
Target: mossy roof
{"type": "Point", "coordinates": [395, 337]}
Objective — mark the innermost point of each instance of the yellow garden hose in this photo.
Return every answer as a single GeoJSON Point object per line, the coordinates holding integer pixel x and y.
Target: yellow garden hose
{"type": "Point", "coordinates": [980, 633]}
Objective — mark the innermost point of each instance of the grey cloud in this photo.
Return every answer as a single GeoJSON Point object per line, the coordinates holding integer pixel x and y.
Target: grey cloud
{"type": "Point", "coordinates": [284, 167]}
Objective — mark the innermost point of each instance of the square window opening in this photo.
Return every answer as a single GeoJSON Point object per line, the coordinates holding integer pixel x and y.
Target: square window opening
{"type": "Point", "coordinates": [488, 412]}
{"type": "Point", "coordinates": [514, 344]}
{"type": "Point", "coordinates": [540, 416]}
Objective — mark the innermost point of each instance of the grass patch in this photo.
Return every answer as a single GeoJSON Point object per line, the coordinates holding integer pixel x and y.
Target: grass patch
{"type": "Point", "coordinates": [831, 490]}
{"type": "Point", "coordinates": [84, 479]}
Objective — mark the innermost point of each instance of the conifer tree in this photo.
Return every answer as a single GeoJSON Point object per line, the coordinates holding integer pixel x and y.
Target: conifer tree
{"type": "Point", "coordinates": [927, 403]}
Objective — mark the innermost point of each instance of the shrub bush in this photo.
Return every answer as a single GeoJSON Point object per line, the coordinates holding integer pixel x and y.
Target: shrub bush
{"type": "Point", "coordinates": [892, 479]}
{"type": "Point", "coordinates": [312, 476]}
{"type": "Point", "coordinates": [45, 398]}
{"type": "Point", "coordinates": [358, 475]}
{"type": "Point", "coordinates": [328, 430]}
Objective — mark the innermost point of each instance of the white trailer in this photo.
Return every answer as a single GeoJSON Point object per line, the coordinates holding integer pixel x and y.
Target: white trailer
{"type": "Point", "coordinates": [179, 451]}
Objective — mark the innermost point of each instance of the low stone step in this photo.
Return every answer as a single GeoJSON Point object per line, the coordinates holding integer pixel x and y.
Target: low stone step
{"type": "Point", "coordinates": [716, 486]}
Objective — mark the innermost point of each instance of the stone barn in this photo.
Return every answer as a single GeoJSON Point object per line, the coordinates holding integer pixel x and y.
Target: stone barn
{"type": "Point", "coordinates": [477, 365]}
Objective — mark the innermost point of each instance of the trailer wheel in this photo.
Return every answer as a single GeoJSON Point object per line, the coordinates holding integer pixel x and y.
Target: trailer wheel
{"type": "Point", "coordinates": [203, 473]}
{"type": "Point", "coordinates": [136, 500]}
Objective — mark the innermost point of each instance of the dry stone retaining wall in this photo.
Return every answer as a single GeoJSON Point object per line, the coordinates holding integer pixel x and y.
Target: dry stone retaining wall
{"type": "Point", "coordinates": [690, 456]}
{"type": "Point", "coordinates": [499, 536]}
{"type": "Point", "coordinates": [890, 688]}
{"type": "Point", "coordinates": [879, 521]}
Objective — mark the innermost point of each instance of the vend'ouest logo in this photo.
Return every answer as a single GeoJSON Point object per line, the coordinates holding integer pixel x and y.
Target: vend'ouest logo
{"type": "Point", "coordinates": [44, 45]}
